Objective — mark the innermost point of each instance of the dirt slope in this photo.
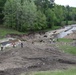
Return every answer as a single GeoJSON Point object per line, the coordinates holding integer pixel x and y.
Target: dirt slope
{"type": "Point", "coordinates": [34, 57]}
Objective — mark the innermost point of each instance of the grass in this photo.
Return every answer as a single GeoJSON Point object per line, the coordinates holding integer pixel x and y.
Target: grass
{"type": "Point", "coordinates": [49, 29]}
{"type": "Point", "coordinates": [69, 49]}
{"type": "Point", "coordinates": [66, 46]}
{"type": "Point", "coordinates": [65, 40]}
{"type": "Point", "coordinates": [53, 28]}
{"type": "Point", "coordinates": [61, 72]}
{"type": "Point", "coordinates": [5, 31]}
{"type": "Point", "coordinates": [69, 22]}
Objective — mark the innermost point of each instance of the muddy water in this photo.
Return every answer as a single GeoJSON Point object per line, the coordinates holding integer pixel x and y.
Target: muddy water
{"type": "Point", "coordinates": [67, 31]}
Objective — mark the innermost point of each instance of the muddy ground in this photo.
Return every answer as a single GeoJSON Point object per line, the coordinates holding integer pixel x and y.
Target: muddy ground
{"type": "Point", "coordinates": [38, 54]}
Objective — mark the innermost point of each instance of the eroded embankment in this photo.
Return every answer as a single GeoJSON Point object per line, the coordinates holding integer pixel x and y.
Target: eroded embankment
{"type": "Point", "coordinates": [34, 57]}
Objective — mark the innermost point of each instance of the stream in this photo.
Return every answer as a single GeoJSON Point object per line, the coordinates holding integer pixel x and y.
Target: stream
{"type": "Point", "coordinates": [67, 30]}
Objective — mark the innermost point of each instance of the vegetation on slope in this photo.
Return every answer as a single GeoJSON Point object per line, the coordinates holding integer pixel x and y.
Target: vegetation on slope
{"type": "Point", "coordinates": [5, 31]}
{"type": "Point", "coordinates": [66, 45]}
{"type": "Point", "coordinates": [60, 72]}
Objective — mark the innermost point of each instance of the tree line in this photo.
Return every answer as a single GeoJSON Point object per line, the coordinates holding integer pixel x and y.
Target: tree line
{"type": "Point", "coordinates": [2, 2]}
{"type": "Point", "coordinates": [31, 15]}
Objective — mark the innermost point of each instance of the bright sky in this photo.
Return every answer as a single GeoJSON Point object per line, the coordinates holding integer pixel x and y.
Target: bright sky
{"type": "Point", "coordinates": [66, 2]}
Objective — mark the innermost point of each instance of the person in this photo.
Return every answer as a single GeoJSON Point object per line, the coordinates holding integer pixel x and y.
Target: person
{"type": "Point", "coordinates": [21, 44]}
{"type": "Point", "coordinates": [50, 41]}
{"type": "Point", "coordinates": [1, 47]}
{"type": "Point", "coordinates": [32, 42]}
{"type": "Point", "coordinates": [13, 45]}
{"type": "Point", "coordinates": [53, 40]}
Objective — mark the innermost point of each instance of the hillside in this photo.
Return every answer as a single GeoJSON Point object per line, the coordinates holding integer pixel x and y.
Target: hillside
{"type": "Point", "coordinates": [5, 31]}
{"type": "Point", "coordinates": [36, 55]}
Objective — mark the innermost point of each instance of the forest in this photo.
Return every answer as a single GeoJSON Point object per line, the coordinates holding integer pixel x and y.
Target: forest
{"type": "Point", "coordinates": [32, 15]}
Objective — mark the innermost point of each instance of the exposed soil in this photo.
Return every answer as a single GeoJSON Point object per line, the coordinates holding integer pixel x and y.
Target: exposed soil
{"type": "Point", "coordinates": [38, 54]}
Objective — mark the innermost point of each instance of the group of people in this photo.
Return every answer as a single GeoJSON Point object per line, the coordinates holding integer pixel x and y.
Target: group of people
{"type": "Point", "coordinates": [14, 45]}
{"type": "Point", "coordinates": [2, 47]}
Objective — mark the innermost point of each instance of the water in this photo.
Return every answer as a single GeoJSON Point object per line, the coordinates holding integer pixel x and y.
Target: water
{"type": "Point", "coordinates": [5, 43]}
{"type": "Point", "coordinates": [68, 30]}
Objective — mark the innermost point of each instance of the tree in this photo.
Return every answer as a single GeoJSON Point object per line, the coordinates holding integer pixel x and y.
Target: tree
{"type": "Point", "coordinates": [73, 13]}
{"type": "Point", "coordinates": [29, 14]}
{"type": "Point", "coordinates": [40, 22]}
{"type": "Point", "coordinates": [51, 17]}
{"type": "Point", "coordinates": [59, 12]}
{"type": "Point", "coordinates": [12, 11]}
{"type": "Point", "coordinates": [2, 2]}
{"type": "Point", "coordinates": [32, 15]}
{"type": "Point", "coordinates": [20, 15]}
{"type": "Point", "coordinates": [43, 5]}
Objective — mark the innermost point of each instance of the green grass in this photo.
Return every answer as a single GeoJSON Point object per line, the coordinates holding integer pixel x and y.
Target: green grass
{"type": "Point", "coordinates": [68, 49]}
{"type": "Point", "coordinates": [62, 72]}
{"type": "Point", "coordinates": [66, 46]}
{"type": "Point", "coordinates": [53, 28]}
{"type": "Point", "coordinates": [69, 22]}
{"type": "Point", "coordinates": [5, 31]}
{"type": "Point", "coordinates": [65, 40]}
{"type": "Point", "coordinates": [56, 27]}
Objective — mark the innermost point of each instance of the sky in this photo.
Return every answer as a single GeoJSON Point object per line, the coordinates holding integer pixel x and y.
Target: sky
{"type": "Point", "coordinates": [71, 3]}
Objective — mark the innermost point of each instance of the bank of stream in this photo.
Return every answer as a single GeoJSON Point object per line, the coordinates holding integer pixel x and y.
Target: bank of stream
{"type": "Point", "coordinates": [67, 30]}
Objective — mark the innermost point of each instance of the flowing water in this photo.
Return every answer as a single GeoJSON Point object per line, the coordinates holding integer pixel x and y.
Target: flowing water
{"type": "Point", "coordinates": [67, 31]}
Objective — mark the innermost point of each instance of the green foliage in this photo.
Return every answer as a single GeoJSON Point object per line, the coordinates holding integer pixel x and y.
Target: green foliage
{"type": "Point", "coordinates": [20, 15]}
{"type": "Point", "coordinates": [40, 21]}
{"type": "Point", "coordinates": [30, 15]}
{"type": "Point", "coordinates": [42, 5]}
{"type": "Point", "coordinates": [11, 12]}
{"type": "Point", "coordinates": [69, 22]}
{"type": "Point", "coordinates": [2, 2]}
{"type": "Point", "coordinates": [51, 18]}
{"type": "Point", "coordinates": [5, 31]}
